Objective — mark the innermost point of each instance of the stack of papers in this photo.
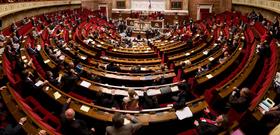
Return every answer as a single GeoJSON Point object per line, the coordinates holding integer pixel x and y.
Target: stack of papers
{"type": "Point", "coordinates": [83, 57]}
{"type": "Point", "coordinates": [184, 113]}
{"type": "Point", "coordinates": [85, 84]}
{"type": "Point", "coordinates": [211, 59]}
{"type": "Point", "coordinates": [143, 69]}
{"type": "Point", "coordinates": [39, 83]}
{"type": "Point", "coordinates": [84, 108]}
{"type": "Point", "coordinates": [47, 88]}
{"type": "Point", "coordinates": [140, 93]}
{"type": "Point", "coordinates": [153, 92]}
{"type": "Point", "coordinates": [174, 89]}
{"type": "Point", "coordinates": [56, 95]}
{"type": "Point", "coordinates": [126, 121]}
{"type": "Point", "coordinates": [46, 61]}
{"type": "Point", "coordinates": [205, 52]}
{"type": "Point", "coordinates": [209, 76]}
{"type": "Point", "coordinates": [121, 92]}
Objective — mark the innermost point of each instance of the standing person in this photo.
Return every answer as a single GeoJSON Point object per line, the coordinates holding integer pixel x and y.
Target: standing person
{"type": "Point", "coordinates": [119, 127]}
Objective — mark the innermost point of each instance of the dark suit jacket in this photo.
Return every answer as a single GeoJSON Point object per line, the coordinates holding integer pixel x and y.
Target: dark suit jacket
{"type": "Point", "coordinates": [73, 127]}
{"type": "Point", "coordinates": [183, 97]}
{"type": "Point", "coordinates": [238, 102]}
{"type": "Point", "coordinates": [9, 130]}
{"type": "Point", "coordinates": [205, 128]}
{"type": "Point", "coordinates": [148, 102]}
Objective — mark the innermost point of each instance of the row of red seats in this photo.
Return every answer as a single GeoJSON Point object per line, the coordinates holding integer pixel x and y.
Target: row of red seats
{"type": "Point", "coordinates": [260, 28]}
{"type": "Point", "coordinates": [269, 76]}
{"type": "Point", "coordinates": [8, 68]}
{"type": "Point", "coordinates": [38, 113]}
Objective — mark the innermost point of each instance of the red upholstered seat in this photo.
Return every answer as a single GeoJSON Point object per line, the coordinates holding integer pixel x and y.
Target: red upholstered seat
{"type": "Point", "coordinates": [80, 97]}
{"type": "Point", "coordinates": [189, 132]}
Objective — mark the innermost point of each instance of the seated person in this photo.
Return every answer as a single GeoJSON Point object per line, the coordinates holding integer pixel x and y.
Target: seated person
{"type": "Point", "coordinates": [159, 81]}
{"type": "Point", "coordinates": [102, 100]}
{"type": "Point", "coordinates": [119, 127]}
{"type": "Point", "coordinates": [240, 99]}
{"type": "Point", "coordinates": [200, 70]}
{"type": "Point", "coordinates": [9, 130]}
{"type": "Point", "coordinates": [183, 96]}
{"type": "Point", "coordinates": [70, 125]}
{"type": "Point", "coordinates": [29, 85]}
{"type": "Point", "coordinates": [271, 118]}
{"type": "Point", "coordinates": [131, 101]}
{"type": "Point", "coordinates": [212, 126]}
{"type": "Point", "coordinates": [224, 58]}
{"type": "Point", "coordinates": [70, 79]}
{"type": "Point", "coordinates": [136, 69]}
{"type": "Point", "coordinates": [112, 67]}
{"type": "Point", "coordinates": [149, 102]}
{"type": "Point", "coordinates": [51, 79]}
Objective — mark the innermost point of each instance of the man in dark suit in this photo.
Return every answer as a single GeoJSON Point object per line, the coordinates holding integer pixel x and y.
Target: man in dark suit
{"type": "Point", "coordinates": [9, 130]}
{"type": "Point", "coordinates": [212, 125]}
{"type": "Point", "coordinates": [183, 96]}
{"type": "Point", "coordinates": [29, 84]}
{"type": "Point", "coordinates": [72, 126]}
{"type": "Point", "coordinates": [240, 99]}
{"type": "Point", "coordinates": [149, 102]}
{"type": "Point", "coordinates": [271, 118]}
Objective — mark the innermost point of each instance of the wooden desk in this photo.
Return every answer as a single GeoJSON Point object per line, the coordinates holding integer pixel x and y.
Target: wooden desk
{"type": "Point", "coordinates": [220, 68]}
{"type": "Point", "coordinates": [17, 109]}
{"type": "Point", "coordinates": [241, 76]}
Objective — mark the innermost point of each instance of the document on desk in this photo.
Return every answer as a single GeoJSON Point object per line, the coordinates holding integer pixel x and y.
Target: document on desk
{"type": "Point", "coordinates": [149, 77]}
{"type": "Point", "coordinates": [211, 59]}
{"type": "Point", "coordinates": [85, 84]}
{"type": "Point", "coordinates": [56, 95]}
{"type": "Point", "coordinates": [121, 92]}
{"type": "Point", "coordinates": [39, 83]}
{"type": "Point", "coordinates": [153, 92]}
{"type": "Point", "coordinates": [205, 52]}
{"type": "Point", "coordinates": [184, 113]}
{"type": "Point", "coordinates": [174, 88]}
{"type": "Point", "coordinates": [126, 121]}
{"type": "Point", "coordinates": [46, 61]}
{"type": "Point", "coordinates": [85, 108]}
{"type": "Point", "coordinates": [47, 88]}
{"type": "Point", "coordinates": [143, 69]}
{"type": "Point", "coordinates": [83, 57]}
{"type": "Point", "coordinates": [140, 93]}
{"type": "Point", "coordinates": [106, 90]}
{"type": "Point", "coordinates": [209, 76]}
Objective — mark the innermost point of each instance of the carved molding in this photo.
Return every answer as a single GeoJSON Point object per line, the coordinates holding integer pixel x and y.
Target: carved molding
{"type": "Point", "coordinates": [6, 9]}
{"type": "Point", "coordinates": [265, 4]}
